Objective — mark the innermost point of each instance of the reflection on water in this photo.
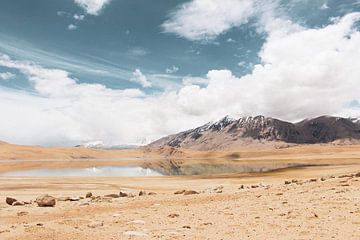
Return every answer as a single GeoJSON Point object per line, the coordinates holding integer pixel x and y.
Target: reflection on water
{"type": "Point", "coordinates": [110, 171]}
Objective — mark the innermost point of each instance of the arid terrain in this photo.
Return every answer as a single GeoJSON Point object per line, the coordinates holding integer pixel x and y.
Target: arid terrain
{"type": "Point", "coordinates": [311, 192]}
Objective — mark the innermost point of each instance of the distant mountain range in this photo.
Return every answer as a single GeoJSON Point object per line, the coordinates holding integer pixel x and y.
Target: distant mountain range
{"type": "Point", "coordinates": [231, 133]}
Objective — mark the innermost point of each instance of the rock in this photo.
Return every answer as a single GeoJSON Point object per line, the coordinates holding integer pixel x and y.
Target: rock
{"type": "Point", "coordinates": [241, 187]}
{"type": "Point", "coordinates": [84, 204]}
{"type": "Point", "coordinates": [254, 186]}
{"type": "Point", "coordinates": [123, 194]}
{"type": "Point", "coordinates": [135, 234]}
{"type": "Point", "coordinates": [152, 193]}
{"type": "Point", "coordinates": [89, 195]}
{"type": "Point", "coordinates": [74, 199]}
{"type": "Point", "coordinates": [190, 192]}
{"type": "Point", "coordinates": [323, 179]}
{"type": "Point", "coordinates": [112, 196]}
{"type": "Point", "coordinates": [142, 193]}
{"type": "Point", "coordinates": [219, 188]}
{"type": "Point", "coordinates": [187, 227]}
{"type": "Point", "coordinates": [46, 201]}
{"type": "Point", "coordinates": [63, 199]}
{"type": "Point", "coordinates": [287, 182]}
{"type": "Point", "coordinates": [219, 191]}
{"type": "Point", "coordinates": [95, 224]}
{"type": "Point", "coordinates": [10, 200]}
{"type": "Point", "coordinates": [173, 215]}
{"type": "Point", "coordinates": [313, 180]}
{"type": "Point", "coordinates": [180, 192]}
{"type": "Point", "coordinates": [357, 174]}
{"type": "Point", "coordinates": [294, 181]}
{"type": "Point", "coordinates": [18, 203]}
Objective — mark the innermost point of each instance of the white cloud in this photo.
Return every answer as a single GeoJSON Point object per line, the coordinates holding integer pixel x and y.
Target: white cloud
{"type": "Point", "coordinates": [6, 75]}
{"type": "Point", "coordinates": [324, 6]}
{"type": "Point", "coordinates": [230, 40]}
{"type": "Point", "coordinates": [140, 78]}
{"type": "Point", "coordinates": [79, 17]}
{"type": "Point", "coordinates": [206, 19]}
{"type": "Point", "coordinates": [171, 70]}
{"type": "Point", "coordinates": [72, 27]}
{"type": "Point", "coordinates": [304, 73]}
{"type": "Point", "coordinates": [92, 7]}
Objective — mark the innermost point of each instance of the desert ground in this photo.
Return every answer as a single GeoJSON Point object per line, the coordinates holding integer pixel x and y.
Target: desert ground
{"type": "Point", "coordinates": [299, 192]}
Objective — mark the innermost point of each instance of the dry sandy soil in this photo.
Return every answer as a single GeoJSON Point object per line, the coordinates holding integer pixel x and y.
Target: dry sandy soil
{"type": "Point", "coordinates": [328, 209]}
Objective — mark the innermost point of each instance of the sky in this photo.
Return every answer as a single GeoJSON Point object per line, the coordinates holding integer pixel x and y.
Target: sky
{"type": "Point", "coordinates": [129, 72]}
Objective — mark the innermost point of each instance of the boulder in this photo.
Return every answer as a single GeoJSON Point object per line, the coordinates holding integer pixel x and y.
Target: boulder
{"type": "Point", "coordinates": [46, 201]}
{"type": "Point", "coordinates": [10, 200]}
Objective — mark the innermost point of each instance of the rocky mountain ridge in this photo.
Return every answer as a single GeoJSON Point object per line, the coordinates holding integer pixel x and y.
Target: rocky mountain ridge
{"type": "Point", "coordinates": [229, 132]}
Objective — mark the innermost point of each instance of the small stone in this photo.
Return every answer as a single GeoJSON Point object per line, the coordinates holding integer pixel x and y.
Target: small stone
{"type": "Point", "coordinates": [180, 192]}
{"type": "Point", "coordinates": [254, 186]}
{"type": "Point", "coordinates": [357, 174]}
{"type": "Point", "coordinates": [18, 203]}
{"type": "Point", "coordinates": [40, 224]}
{"type": "Point", "coordinates": [323, 179]}
{"type": "Point", "coordinates": [112, 196]}
{"type": "Point", "coordinates": [187, 227]}
{"type": "Point", "coordinates": [242, 187]}
{"type": "Point", "coordinates": [10, 200]}
{"type": "Point", "coordinates": [89, 195]}
{"type": "Point", "coordinates": [63, 199]}
{"type": "Point", "coordinates": [74, 199]}
{"type": "Point", "coordinates": [123, 194]}
{"type": "Point", "coordinates": [287, 182]}
{"type": "Point", "coordinates": [142, 193]}
{"type": "Point", "coordinates": [190, 192]}
{"type": "Point", "coordinates": [294, 180]}
{"type": "Point", "coordinates": [84, 204]}
{"type": "Point", "coordinates": [95, 224]}
{"type": "Point", "coordinates": [173, 215]}
{"type": "Point", "coordinates": [313, 180]}
{"type": "Point", "coordinates": [152, 193]}
{"type": "Point", "coordinates": [46, 201]}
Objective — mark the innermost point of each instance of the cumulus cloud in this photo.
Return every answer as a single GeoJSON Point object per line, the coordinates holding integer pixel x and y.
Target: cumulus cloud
{"type": "Point", "coordinates": [6, 75]}
{"type": "Point", "coordinates": [79, 17]}
{"type": "Point", "coordinates": [72, 27]}
{"type": "Point", "coordinates": [303, 73]}
{"type": "Point", "coordinates": [206, 19]}
{"type": "Point", "coordinates": [140, 78]}
{"type": "Point", "coordinates": [92, 7]}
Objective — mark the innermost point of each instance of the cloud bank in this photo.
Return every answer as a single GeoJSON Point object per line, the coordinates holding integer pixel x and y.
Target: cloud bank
{"type": "Point", "coordinates": [303, 73]}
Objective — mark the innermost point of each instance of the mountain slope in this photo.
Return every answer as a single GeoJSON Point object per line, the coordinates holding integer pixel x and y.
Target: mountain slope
{"type": "Point", "coordinates": [228, 132]}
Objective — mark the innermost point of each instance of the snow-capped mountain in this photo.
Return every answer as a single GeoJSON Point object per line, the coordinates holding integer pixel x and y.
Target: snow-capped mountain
{"type": "Point", "coordinates": [228, 132]}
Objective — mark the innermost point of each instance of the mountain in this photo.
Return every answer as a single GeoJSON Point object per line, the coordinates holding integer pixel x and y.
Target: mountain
{"type": "Point", "coordinates": [230, 133]}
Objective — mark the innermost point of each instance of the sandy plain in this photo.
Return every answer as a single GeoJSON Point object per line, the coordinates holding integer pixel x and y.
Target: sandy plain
{"type": "Point", "coordinates": [321, 204]}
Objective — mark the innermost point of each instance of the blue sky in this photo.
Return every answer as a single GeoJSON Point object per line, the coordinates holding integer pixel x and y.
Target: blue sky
{"type": "Point", "coordinates": [128, 72]}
